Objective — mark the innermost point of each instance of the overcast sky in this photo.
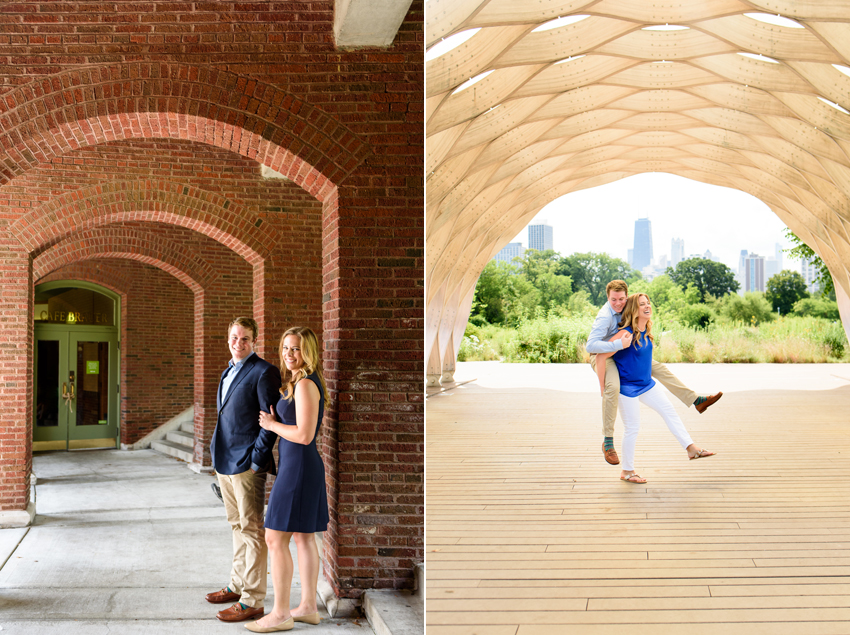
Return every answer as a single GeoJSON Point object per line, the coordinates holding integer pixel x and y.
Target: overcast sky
{"type": "Point", "coordinates": [724, 220]}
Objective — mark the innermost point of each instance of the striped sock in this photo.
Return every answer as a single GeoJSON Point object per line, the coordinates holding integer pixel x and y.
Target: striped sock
{"type": "Point", "coordinates": [700, 400]}
{"type": "Point", "coordinates": [609, 443]}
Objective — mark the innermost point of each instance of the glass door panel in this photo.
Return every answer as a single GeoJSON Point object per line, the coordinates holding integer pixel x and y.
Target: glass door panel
{"type": "Point", "coordinates": [50, 431]}
{"type": "Point", "coordinates": [94, 422]}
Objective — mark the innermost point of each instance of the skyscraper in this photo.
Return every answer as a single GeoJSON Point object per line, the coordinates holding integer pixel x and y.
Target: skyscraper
{"type": "Point", "coordinates": [643, 244]}
{"type": "Point", "coordinates": [509, 252]}
{"type": "Point", "coordinates": [754, 273]}
{"type": "Point", "coordinates": [810, 274]}
{"type": "Point", "coordinates": [677, 251]}
{"type": "Point", "coordinates": [540, 237]}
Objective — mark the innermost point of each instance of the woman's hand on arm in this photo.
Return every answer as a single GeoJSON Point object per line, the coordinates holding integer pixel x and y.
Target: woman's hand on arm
{"type": "Point", "coordinates": [268, 421]}
{"type": "Point", "coordinates": [624, 335]}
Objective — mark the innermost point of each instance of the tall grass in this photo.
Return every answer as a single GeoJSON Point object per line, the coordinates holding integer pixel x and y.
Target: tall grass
{"type": "Point", "coordinates": [557, 338]}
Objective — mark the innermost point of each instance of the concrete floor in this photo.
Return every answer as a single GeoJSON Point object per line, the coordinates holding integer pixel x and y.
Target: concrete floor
{"type": "Point", "coordinates": [125, 542]}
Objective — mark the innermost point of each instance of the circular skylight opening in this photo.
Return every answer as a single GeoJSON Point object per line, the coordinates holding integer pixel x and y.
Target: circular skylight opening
{"type": "Point", "coordinates": [560, 21]}
{"type": "Point", "coordinates": [760, 57]}
{"type": "Point", "coordinates": [665, 27]}
{"type": "Point", "coordinates": [445, 45]}
{"type": "Point", "coordinates": [472, 81]}
{"type": "Point", "coordinates": [834, 105]}
{"type": "Point", "coordinates": [775, 20]}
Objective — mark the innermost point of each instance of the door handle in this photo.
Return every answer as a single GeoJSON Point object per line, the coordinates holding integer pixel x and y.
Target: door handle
{"type": "Point", "coordinates": [68, 396]}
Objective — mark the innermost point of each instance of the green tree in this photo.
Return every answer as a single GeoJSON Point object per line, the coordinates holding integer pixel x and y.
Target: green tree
{"type": "Point", "coordinates": [752, 309]}
{"type": "Point", "coordinates": [494, 291]}
{"type": "Point", "coordinates": [802, 250]}
{"type": "Point", "coordinates": [592, 272]}
{"type": "Point", "coordinates": [784, 289]}
{"type": "Point", "coordinates": [541, 270]}
{"type": "Point", "coordinates": [817, 307]}
{"type": "Point", "coordinates": [709, 277]}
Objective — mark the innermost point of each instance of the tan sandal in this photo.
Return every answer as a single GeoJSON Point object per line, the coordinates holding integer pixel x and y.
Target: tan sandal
{"type": "Point", "coordinates": [701, 455]}
{"type": "Point", "coordinates": [633, 478]}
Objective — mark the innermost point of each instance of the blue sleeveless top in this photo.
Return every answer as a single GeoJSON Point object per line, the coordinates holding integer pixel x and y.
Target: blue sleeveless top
{"type": "Point", "coordinates": [635, 366]}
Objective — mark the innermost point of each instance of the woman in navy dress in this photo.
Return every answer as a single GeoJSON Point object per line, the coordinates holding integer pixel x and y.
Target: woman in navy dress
{"type": "Point", "coordinates": [637, 386]}
{"type": "Point", "coordinates": [298, 505]}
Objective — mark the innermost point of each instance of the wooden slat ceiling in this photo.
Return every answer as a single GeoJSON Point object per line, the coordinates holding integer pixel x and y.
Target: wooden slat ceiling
{"type": "Point", "coordinates": [610, 95]}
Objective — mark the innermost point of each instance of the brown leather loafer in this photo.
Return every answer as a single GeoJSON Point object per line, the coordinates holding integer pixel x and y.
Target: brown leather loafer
{"type": "Point", "coordinates": [708, 401]}
{"type": "Point", "coordinates": [611, 455]}
{"type": "Point", "coordinates": [220, 597]}
{"type": "Point", "coordinates": [236, 613]}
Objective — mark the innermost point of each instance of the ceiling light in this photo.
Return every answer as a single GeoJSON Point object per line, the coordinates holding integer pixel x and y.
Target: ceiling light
{"type": "Point", "coordinates": [447, 44]}
{"type": "Point", "coordinates": [834, 105]}
{"type": "Point", "coordinates": [775, 20]}
{"type": "Point", "coordinates": [559, 21]}
{"type": "Point", "coordinates": [760, 57]}
{"type": "Point", "coordinates": [472, 81]}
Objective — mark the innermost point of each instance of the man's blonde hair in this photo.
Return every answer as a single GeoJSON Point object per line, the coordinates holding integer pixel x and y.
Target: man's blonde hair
{"type": "Point", "coordinates": [616, 285]}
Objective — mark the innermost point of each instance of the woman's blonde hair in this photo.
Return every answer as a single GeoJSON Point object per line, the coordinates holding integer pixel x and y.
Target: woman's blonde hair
{"type": "Point", "coordinates": [312, 361]}
{"type": "Point", "coordinates": [630, 318]}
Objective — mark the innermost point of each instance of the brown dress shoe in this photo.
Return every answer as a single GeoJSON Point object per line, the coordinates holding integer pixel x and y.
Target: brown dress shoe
{"type": "Point", "coordinates": [708, 401]}
{"type": "Point", "coordinates": [220, 597]}
{"type": "Point", "coordinates": [611, 455]}
{"type": "Point", "coordinates": [236, 613]}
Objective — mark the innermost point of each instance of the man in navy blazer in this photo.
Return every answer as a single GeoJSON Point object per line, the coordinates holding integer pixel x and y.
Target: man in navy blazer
{"type": "Point", "coordinates": [242, 456]}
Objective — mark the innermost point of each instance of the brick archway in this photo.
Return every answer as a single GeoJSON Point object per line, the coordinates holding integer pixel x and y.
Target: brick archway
{"type": "Point", "coordinates": [182, 101]}
{"type": "Point", "coordinates": [114, 242]}
{"type": "Point", "coordinates": [152, 201]}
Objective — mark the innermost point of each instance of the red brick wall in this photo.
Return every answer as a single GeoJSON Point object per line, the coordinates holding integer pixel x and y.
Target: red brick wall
{"type": "Point", "coordinates": [160, 113]}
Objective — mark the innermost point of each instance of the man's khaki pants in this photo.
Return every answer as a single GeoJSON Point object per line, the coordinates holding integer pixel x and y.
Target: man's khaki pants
{"type": "Point", "coordinates": [610, 397]}
{"type": "Point", "coordinates": [244, 497]}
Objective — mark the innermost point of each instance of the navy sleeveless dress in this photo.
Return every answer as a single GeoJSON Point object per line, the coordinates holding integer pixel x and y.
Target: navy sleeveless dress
{"type": "Point", "coordinates": [299, 499]}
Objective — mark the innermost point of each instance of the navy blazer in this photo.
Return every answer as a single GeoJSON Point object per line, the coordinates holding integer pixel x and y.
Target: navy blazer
{"type": "Point", "coordinates": [238, 440]}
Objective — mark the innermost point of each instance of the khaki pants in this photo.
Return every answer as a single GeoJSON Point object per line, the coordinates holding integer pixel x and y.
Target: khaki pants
{"type": "Point", "coordinates": [610, 397]}
{"type": "Point", "coordinates": [244, 497]}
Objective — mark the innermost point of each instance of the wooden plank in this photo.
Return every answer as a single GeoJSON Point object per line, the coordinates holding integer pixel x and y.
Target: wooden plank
{"type": "Point", "coordinates": [525, 521]}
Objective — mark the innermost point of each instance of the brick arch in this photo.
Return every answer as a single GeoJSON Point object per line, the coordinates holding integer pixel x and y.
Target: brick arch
{"type": "Point", "coordinates": [144, 200]}
{"type": "Point", "coordinates": [89, 271]}
{"type": "Point", "coordinates": [119, 242]}
{"type": "Point", "coordinates": [89, 106]}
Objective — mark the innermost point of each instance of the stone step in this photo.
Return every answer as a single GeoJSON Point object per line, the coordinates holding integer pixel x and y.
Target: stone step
{"type": "Point", "coordinates": [188, 426]}
{"type": "Point", "coordinates": [173, 449]}
{"type": "Point", "coordinates": [181, 438]}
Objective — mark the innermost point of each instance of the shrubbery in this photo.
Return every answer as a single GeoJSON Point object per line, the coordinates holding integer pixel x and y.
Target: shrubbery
{"type": "Point", "coordinates": [538, 310]}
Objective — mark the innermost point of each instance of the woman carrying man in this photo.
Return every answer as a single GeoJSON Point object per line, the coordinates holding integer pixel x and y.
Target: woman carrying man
{"type": "Point", "coordinates": [634, 363]}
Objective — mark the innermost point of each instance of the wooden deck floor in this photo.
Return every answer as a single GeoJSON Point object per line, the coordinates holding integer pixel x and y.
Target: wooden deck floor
{"type": "Point", "coordinates": [529, 531]}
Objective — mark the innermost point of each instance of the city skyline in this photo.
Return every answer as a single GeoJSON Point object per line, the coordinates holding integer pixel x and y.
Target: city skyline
{"type": "Point", "coordinates": [721, 220]}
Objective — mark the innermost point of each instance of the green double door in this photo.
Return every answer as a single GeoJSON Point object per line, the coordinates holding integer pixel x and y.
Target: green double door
{"type": "Point", "coordinates": [76, 387]}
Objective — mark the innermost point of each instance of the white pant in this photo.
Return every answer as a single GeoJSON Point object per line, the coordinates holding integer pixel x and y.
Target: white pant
{"type": "Point", "coordinates": [630, 412]}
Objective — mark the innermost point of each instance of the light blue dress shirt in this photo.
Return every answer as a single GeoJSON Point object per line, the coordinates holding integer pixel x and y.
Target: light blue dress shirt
{"type": "Point", "coordinates": [231, 375]}
{"type": "Point", "coordinates": [604, 327]}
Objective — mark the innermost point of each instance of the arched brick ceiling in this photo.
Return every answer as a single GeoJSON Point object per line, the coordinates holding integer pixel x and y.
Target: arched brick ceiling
{"type": "Point", "coordinates": [708, 89]}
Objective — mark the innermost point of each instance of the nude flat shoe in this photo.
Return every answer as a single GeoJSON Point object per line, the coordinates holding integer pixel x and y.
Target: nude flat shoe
{"type": "Point", "coordinates": [283, 626]}
{"type": "Point", "coordinates": [313, 618]}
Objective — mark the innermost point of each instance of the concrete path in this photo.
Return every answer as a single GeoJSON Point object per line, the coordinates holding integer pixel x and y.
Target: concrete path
{"type": "Point", "coordinates": [530, 532]}
{"type": "Point", "coordinates": [123, 542]}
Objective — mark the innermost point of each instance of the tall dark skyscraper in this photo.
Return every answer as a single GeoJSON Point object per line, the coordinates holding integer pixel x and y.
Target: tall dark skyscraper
{"type": "Point", "coordinates": [643, 244]}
